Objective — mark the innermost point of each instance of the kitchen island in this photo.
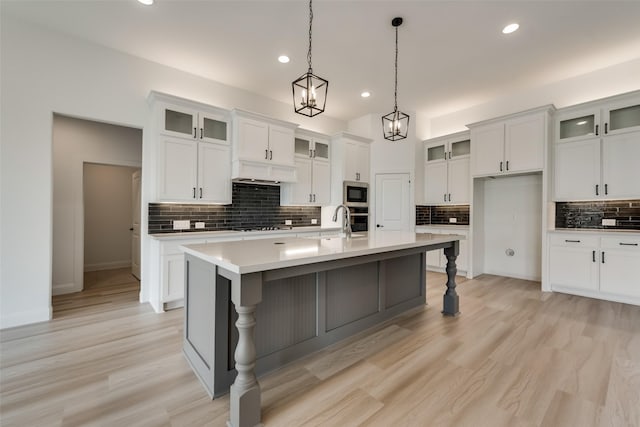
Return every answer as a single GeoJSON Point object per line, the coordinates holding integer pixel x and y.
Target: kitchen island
{"type": "Point", "coordinates": [289, 297]}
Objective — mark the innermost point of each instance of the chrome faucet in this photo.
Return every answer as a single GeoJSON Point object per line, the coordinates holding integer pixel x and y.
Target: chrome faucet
{"type": "Point", "coordinates": [346, 224]}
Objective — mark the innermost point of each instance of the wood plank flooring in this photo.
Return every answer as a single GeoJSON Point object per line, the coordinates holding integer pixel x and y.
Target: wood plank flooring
{"type": "Point", "coordinates": [514, 357]}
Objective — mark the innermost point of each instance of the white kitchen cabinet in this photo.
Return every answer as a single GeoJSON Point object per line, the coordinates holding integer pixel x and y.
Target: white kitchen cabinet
{"type": "Point", "coordinates": [597, 265]}
{"type": "Point", "coordinates": [188, 152]}
{"type": "Point", "coordinates": [600, 168]}
{"type": "Point", "coordinates": [194, 124]}
{"type": "Point", "coordinates": [510, 145]}
{"type": "Point", "coordinates": [263, 148]}
{"type": "Point", "coordinates": [600, 118]}
{"type": "Point", "coordinates": [357, 160]}
{"type": "Point", "coordinates": [573, 262]}
{"type": "Point", "coordinates": [447, 169]}
{"type": "Point", "coordinates": [620, 266]}
{"type": "Point", "coordinates": [436, 260]}
{"type": "Point", "coordinates": [313, 172]}
{"type": "Point", "coordinates": [193, 171]}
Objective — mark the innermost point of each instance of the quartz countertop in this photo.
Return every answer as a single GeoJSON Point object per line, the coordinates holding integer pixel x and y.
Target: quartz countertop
{"type": "Point", "coordinates": [444, 226]}
{"type": "Point", "coordinates": [235, 233]}
{"type": "Point", "coordinates": [635, 233]}
{"type": "Point", "coordinates": [267, 254]}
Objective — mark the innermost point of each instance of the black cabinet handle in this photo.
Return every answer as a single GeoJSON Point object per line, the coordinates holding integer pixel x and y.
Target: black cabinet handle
{"type": "Point", "coordinates": [449, 196]}
{"type": "Point", "coordinates": [597, 190]}
{"type": "Point", "coordinates": [628, 244]}
{"type": "Point", "coordinates": [310, 153]}
{"type": "Point", "coordinates": [500, 166]}
{"type": "Point", "coordinates": [194, 192]}
{"type": "Point", "coordinates": [270, 154]}
{"type": "Point", "coordinates": [572, 241]}
{"type": "Point", "coordinates": [266, 154]}
{"type": "Point", "coordinates": [131, 229]}
{"type": "Point", "coordinates": [195, 132]}
{"type": "Point", "coordinates": [201, 133]}
{"type": "Point", "coordinates": [449, 155]}
{"type": "Point", "coordinates": [445, 197]}
{"type": "Point", "coordinates": [606, 189]}
{"type": "Point", "coordinates": [507, 164]}
{"type": "Point", "coordinates": [597, 127]}
{"type": "Point", "coordinates": [606, 128]}
{"type": "Point", "coordinates": [593, 256]}
{"type": "Point", "coordinates": [309, 197]}
{"type": "Point", "coordinates": [201, 192]}
{"type": "Point", "coordinates": [314, 197]}
{"type": "Point", "coordinates": [445, 155]}
{"type": "Point", "coordinates": [603, 257]}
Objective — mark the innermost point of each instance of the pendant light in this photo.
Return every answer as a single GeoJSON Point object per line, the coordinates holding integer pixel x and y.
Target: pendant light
{"type": "Point", "coordinates": [309, 91]}
{"type": "Point", "coordinates": [395, 125]}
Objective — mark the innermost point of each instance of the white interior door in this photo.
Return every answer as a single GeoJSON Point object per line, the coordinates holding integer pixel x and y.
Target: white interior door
{"type": "Point", "coordinates": [135, 221]}
{"type": "Point", "coordinates": [392, 201]}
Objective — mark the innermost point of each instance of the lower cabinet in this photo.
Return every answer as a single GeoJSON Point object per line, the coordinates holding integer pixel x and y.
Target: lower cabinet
{"type": "Point", "coordinates": [436, 261]}
{"type": "Point", "coordinates": [606, 267]}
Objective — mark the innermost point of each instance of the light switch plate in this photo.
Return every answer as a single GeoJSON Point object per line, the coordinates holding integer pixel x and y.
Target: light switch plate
{"type": "Point", "coordinates": [199, 224]}
{"type": "Point", "coordinates": [181, 225]}
{"type": "Point", "coordinates": [453, 220]}
{"type": "Point", "coordinates": [608, 222]}
{"type": "Point", "coordinates": [287, 222]}
{"type": "Point", "coordinates": [314, 221]}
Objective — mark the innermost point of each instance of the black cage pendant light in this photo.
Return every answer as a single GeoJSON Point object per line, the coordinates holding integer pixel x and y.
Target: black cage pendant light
{"type": "Point", "coordinates": [309, 91]}
{"type": "Point", "coordinates": [395, 125]}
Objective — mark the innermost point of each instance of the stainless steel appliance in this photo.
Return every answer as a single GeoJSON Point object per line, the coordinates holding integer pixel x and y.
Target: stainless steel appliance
{"type": "Point", "coordinates": [359, 218]}
{"type": "Point", "coordinates": [356, 194]}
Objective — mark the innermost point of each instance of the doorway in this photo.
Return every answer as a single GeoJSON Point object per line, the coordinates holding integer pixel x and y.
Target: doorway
{"type": "Point", "coordinates": [392, 202]}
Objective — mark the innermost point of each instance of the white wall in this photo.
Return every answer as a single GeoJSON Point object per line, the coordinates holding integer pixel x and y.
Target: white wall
{"type": "Point", "coordinates": [42, 73]}
{"type": "Point", "coordinates": [75, 142]}
{"type": "Point", "coordinates": [108, 211]}
{"type": "Point", "coordinates": [513, 220]}
{"type": "Point", "coordinates": [608, 81]}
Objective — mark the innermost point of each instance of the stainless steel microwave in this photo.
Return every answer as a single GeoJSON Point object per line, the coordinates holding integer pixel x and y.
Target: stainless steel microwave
{"type": "Point", "coordinates": [356, 194]}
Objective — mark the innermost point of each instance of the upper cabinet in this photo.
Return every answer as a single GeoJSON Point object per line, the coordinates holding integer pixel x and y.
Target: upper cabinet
{"type": "Point", "coordinates": [263, 148]}
{"type": "Point", "coordinates": [446, 173]}
{"type": "Point", "coordinates": [189, 147]}
{"type": "Point", "coordinates": [190, 123]}
{"type": "Point", "coordinates": [597, 150]}
{"type": "Point", "coordinates": [313, 171]}
{"type": "Point", "coordinates": [599, 119]}
{"type": "Point", "coordinates": [349, 162]}
{"type": "Point", "coordinates": [510, 145]}
{"type": "Point", "coordinates": [356, 166]}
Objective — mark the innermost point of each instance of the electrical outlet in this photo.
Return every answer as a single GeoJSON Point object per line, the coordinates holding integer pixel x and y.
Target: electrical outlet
{"type": "Point", "coordinates": [609, 222]}
{"type": "Point", "coordinates": [181, 225]}
{"type": "Point", "coordinates": [199, 224]}
{"type": "Point", "coordinates": [314, 221]}
{"type": "Point", "coordinates": [453, 220]}
{"type": "Point", "coordinates": [287, 222]}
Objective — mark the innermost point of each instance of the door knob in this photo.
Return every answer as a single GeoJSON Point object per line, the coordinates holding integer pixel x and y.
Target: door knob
{"type": "Point", "coordinates": [379, 226]}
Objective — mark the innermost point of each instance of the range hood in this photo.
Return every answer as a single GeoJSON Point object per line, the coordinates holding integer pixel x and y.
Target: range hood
{"type": "Point", "coordinates": [256, 181]}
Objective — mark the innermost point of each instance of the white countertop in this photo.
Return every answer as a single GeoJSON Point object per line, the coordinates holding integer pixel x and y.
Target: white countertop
{"type": "Point", "coordinates": [233, 233]}
{"type": "Point", "coordinates": [635, 233]}
{"type": "Point", "coordinates": [250, 256]}
{"type": "Point", "coordinates": [444, 226]}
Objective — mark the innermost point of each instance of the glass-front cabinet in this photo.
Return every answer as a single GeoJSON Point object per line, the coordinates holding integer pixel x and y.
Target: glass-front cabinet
{"type": "Point", "coordinates": [600, 119]}
{"type": "Point", "coordinates": [448, 149]}
{"type": "Point", "coordinates": [446, 169]}
{"type": "Point", "coordinates": [193, 124]}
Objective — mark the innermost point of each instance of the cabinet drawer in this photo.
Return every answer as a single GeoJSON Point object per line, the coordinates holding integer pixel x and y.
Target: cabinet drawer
{"type": "Point", "coordinates": [629, 243]}
{"type": "Point", "coordinates": [573, 240]}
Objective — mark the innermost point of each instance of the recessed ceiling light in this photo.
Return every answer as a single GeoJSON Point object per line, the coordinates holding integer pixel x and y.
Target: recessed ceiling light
{"type": "Point", "coordinates": [510, 28]}
{"type": "Point", "coordinates": [146, 2]}
{"type": "Point", "coordinates": [283, 58]}
{"type": "Point", "coordinates": [365, 94]}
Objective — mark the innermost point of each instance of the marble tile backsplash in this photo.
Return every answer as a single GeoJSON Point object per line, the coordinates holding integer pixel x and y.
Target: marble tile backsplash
{"type": "Point", "coordinates": [253, 206]}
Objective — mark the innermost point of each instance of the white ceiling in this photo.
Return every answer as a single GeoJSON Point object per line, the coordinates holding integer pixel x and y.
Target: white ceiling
{"type": "Point", "coordinates": [452, 53]}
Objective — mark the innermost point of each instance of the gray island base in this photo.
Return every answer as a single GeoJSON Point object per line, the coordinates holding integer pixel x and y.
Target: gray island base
{"type": "Point", "coordinates": [289, 297]}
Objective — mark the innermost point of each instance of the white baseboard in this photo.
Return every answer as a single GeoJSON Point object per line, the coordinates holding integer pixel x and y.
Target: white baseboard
{"type": "Point", "coordinates": [64, 288]}
{"type": "Point", "coordinates": [107, 265]}
{"type": "Point", "coordinates": [25, 318]}
{"type": "Point", "coordinates": [515, 276]}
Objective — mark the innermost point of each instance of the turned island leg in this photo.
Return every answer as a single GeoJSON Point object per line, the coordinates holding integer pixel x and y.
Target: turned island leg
{"type": "Point", "coordinates": [244, 395]}
{"type": "Point", "coordinates": [450, 305]}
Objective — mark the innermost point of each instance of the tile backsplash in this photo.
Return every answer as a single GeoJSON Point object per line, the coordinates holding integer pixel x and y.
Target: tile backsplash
{"type": "Point", "coordinates": [590, 214]}
{"type": "Point", "coordinates": [253, 206]}
{"type": "Point", "coordinates": [439, 215]}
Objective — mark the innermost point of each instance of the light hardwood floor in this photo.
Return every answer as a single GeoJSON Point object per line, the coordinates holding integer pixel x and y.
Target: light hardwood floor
{"type": "Point", "coordinates": [514, 357]}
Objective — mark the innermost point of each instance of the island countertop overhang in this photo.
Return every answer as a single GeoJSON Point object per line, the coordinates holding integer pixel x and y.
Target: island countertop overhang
{"type": "Point", "coordinates": [246, 256]}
